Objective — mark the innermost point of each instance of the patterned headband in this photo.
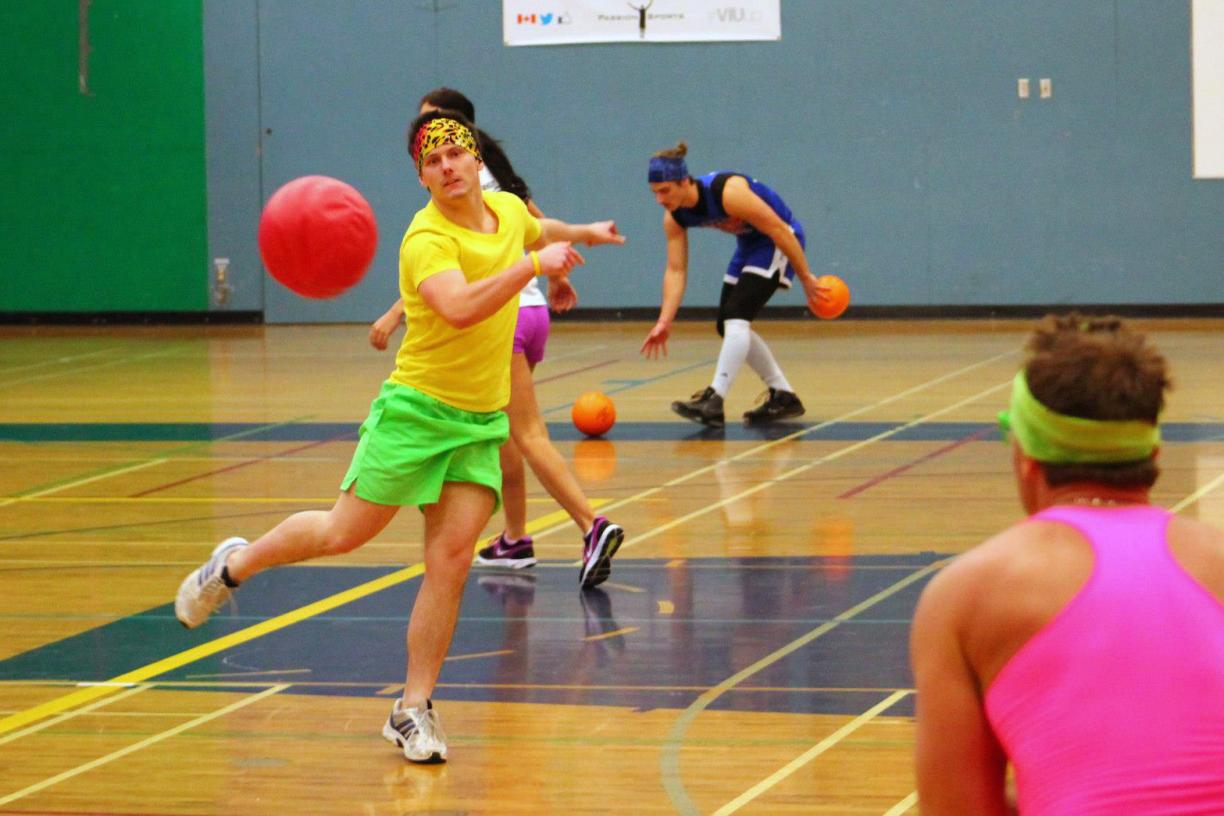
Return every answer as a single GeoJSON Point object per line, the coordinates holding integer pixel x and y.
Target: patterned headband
{"type": "Point", "coordinates": [437, 132]}
{"type": "Point", "coordinates": [667, 168]}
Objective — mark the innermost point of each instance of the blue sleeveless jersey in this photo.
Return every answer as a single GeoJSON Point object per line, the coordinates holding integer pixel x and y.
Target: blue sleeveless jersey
{"type": "Point", "coordinates": [755, 252]}
{"type": "Point", "coordinates": [709, 212]}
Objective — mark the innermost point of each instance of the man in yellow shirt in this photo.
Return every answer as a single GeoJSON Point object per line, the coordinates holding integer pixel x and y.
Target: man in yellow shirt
{"type": "Point", "coordinates": [433, 433]}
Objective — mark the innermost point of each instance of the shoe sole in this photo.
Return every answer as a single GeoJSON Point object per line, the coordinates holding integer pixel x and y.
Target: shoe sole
{"type": "Point", "coordinates": [600, 567]}
{"type": "Point", "coordinates": [510, 563]}
{"type": "Point", "coordinates": [392, 736]}
{"type": "Point", "coordinates": [771, 420]}
{"type": "Point", "coordinates": [699, 418]}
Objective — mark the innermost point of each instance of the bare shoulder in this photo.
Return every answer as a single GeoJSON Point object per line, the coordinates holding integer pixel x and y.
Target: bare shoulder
{"type": "Point", "coordinates": [1201, 533]}
{"type": "Point", "coordinates": [736, 182]}
{"type": "Point", "coordinates": [1199, 548]}
{"type": "Point", "coordinates": [1001, 559]}
{"type": "Point", "coordinates": [1019, 577]}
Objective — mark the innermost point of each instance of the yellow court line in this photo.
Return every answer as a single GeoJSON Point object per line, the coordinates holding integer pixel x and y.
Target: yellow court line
{"type": "Point", "coordinates": [628, 630]}
{"type": "Point", "coordinates": [156, 738]}
{"type": "Point", "coordinates": [212, 647]}
{"type": "Point", "coordinates": [138, 466]}
{"type": "Point", "coordinates": [904, 805]}
{"type": "Point", "coordinates": [808, 755]}
{"type": "Point", "coordinates": [73, 373]}
{"type": "Point", "coordinates": [68, 716]}
{"type": "Point", "coordinates": [42, 364]}
{"type": "Point", "coordinates": [623, 587]}
{"type": "Point", "coordinates": [1198, 494]}
{"type": "Point", "coordinates": [474, 655]}
{"type": "Point", "coordinates": [274, 672]}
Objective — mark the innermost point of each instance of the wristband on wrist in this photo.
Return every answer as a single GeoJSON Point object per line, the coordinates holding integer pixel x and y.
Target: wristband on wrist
{"type": "Point", "coordinates": [535, 261]}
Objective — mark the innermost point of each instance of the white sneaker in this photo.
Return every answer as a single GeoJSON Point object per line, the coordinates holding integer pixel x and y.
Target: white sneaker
{"type": "Point", "coordinates": [418, 731]}
{"type": "Point", "coordinates": [203, 592]}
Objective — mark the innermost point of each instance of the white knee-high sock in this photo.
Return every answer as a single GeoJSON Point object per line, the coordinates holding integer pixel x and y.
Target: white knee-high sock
{"type": "Point", "coordinates": [761, 360]}
{"type": "Point", "coordinates": [731, 357]}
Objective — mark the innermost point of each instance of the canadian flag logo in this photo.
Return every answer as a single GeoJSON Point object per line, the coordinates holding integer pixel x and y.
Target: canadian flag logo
{"type": "Point", "coordinates": [527, 18]}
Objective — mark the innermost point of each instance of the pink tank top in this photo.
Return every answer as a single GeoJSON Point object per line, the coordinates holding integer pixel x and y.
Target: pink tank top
{"type": "Point", "coordinates": [1117, 705]}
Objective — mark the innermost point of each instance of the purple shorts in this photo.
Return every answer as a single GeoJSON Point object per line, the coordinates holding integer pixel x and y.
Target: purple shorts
{"type": "Point", "coordinates": [531, 332]}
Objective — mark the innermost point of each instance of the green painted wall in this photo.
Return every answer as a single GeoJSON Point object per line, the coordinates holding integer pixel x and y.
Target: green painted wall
{"type": "Point", "coordinates": [103, 195]}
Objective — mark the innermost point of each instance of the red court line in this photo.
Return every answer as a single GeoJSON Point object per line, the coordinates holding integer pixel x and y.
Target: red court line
{"type": "Point", "coordinates": [854, 491]}
{"type": "Point", "coordinates": [240, 465]}
{"type": "Point", "coordinates": [575, 371]}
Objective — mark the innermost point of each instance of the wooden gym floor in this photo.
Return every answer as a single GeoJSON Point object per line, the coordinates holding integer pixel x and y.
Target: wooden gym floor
{"type": "Point", "coordinates": [748, 654]}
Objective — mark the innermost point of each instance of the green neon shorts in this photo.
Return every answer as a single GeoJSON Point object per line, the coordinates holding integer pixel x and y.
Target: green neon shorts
{"type": "Point", "coordinates": [411, 444]}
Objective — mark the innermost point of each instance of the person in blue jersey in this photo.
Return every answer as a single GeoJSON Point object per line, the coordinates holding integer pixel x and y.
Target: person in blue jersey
{"type": "Point", "coordinates": [769, 245]}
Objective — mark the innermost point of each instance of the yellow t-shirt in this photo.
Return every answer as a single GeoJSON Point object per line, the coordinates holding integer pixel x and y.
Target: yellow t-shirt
{"type": "Point", "coordinates": [465, 368]}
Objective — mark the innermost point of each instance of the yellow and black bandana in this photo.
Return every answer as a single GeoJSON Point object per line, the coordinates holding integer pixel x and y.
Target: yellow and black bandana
{"type": "Point", "coordinates": [437, 132]}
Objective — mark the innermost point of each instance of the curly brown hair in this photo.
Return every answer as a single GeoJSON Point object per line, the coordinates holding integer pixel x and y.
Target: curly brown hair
{"type": "Point", "coordinates": [1097, 368]}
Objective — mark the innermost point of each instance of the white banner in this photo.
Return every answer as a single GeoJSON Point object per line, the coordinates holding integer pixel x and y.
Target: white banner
{"type": "Point", "coordinates": [1207, 54]}
{"type": "Point", "coordinates": [554, 22]}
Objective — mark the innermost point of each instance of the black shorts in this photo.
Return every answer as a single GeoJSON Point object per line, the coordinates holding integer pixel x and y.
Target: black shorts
{"type": "Point", "coordinates": [744, 299]}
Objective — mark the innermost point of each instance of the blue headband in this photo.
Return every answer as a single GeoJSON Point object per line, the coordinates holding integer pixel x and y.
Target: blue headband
{"type": "Point", "coordinates": [666, 168]}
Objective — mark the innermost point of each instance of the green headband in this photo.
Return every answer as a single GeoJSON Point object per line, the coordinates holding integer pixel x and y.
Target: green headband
{"type": "Point", "coordinates": [1048, 436]}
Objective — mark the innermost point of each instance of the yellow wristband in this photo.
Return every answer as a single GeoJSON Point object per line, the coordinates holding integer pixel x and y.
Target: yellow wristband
{"type": "Point", "coordinates": [535, 261]}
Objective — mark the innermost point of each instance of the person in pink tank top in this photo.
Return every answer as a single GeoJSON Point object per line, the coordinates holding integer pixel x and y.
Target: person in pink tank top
{"type": "Point", "coordinates": [1083, 647]}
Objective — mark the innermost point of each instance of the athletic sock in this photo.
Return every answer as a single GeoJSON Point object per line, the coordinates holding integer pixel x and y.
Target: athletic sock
{"type": "Point", "coordinates": [226, 579]}
{"type": "Point", "coordinates": [761, 360]}
{"type": "Point", "coordinates": [734, 351]}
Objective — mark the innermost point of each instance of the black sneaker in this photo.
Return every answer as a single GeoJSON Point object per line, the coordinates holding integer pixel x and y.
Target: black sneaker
{"type": "Point", "coordinates": [705, 407]}
{"type": "Point", "coordinates": [780, 405]}
{"type": "Point", "coordinates": [598, 547]}
{"type": "Point", "coordinates": [503, 553]}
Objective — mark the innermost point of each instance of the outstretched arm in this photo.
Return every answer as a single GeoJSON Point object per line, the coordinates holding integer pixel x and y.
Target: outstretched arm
{"type": "Point", "coordinates": [739, 201]}
{"type": "Point", "coordinates": [675, 276]}
{"type": "Point", "coordinates": [593, 234]}
{"type": "Point", "coordinates": [463, 304]}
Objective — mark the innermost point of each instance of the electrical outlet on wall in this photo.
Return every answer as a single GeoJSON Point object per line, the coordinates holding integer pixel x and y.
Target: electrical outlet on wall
{"type": "Point", "coordinates": [221, 289]}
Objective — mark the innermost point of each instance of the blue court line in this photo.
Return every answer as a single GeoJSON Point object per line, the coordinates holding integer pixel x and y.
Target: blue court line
{"type": "Point", "coordinates": [1175, 432]}
{"type": "Point", "coordinates": [544, 641]}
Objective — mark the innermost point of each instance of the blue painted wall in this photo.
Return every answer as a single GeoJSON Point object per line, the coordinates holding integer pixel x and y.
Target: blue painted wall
{"type": "Point", "coordinates": [892, 128]}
